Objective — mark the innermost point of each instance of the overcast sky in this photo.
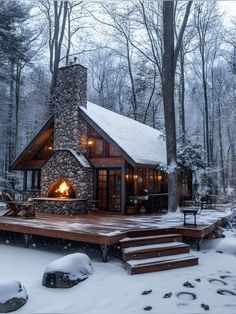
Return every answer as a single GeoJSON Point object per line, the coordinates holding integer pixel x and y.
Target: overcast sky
{"type": "Point", "coordinates": [230, 9]}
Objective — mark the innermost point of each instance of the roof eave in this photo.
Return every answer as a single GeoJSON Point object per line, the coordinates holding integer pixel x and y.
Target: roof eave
{"type": "Point", "coordinates": [13, 165]}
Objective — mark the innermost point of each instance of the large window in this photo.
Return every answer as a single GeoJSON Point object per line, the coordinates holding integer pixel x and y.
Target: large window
{"type": "Point", "coordinates": [140, 179]}
{"type": "Point", "coordinates": [32, 180]}
{"type": "Point", "coordinates": [109, 189]}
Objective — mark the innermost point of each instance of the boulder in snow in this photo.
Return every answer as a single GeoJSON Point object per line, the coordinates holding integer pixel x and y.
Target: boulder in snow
{"type": "Point", "coordinates": [67, 271]}
{"type": "Point", "coordinates": [12, 295]}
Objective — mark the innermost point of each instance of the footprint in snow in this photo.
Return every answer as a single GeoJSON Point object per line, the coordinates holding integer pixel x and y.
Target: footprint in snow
{"type": "Point", "coordinates": [217, 282]}
{"type": "Point", "coordinates": [145, 292]}
{"type": "Point", "coordinates": [205, 307]}
{"type": "Point", "coordinates": [225, 292]}
{"type": "Point", "coordinates": [226, 276]}
{"type": "Point", "coordinates": [188, 285]}
{"type": "Point", "coordinates": [186, 296]}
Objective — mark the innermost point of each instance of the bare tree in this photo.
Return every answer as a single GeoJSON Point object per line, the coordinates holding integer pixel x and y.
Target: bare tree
{"type": "Point", "coordinates": [206, 18]}
{"type": "Point", "coordinates": [170, 56]}
{"type": "Point", "coordinates": [121, 22]}
{"type": "Point", "coordinates": [56, 13]}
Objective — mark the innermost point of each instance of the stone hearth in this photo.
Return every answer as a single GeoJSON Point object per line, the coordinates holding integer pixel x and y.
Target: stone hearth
{"type": "Point", "coordinates": [58, 206]}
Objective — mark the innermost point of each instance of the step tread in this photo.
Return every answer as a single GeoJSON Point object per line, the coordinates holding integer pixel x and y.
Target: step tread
{"type": "Point", "coordinates": [151, 247]}
{"type": "Point", "coordinates": [160, 260]}
{"type": "Point", "coordinates": [161, 236]}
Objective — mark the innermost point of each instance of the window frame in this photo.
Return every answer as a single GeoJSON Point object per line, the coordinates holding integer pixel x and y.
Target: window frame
{"type": "Point", "coordinates": [32, 180]}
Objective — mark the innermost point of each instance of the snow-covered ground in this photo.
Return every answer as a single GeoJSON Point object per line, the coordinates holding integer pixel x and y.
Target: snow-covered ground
{"type": "Point", "coordinates": [111, 290]}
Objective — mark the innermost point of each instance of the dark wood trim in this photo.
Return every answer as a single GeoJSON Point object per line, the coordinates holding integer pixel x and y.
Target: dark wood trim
{"type": "Point", "coordinates": [28, 152]}
{"type": "Point", "coordinates": [123, 190]}
{"type": "Point", "coordinates": [146, 166]}
{"type": "Point", "coordinates": [35, 164]}
{"type": "Point", "coordinates": [106, 137]}
{"type": "Point", "coordinates": [25, 180]}
{"type": "Point", "coordinates": [107, 161]}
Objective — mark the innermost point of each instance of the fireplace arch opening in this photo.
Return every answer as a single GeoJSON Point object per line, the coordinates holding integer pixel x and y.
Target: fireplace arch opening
{"type": "Point", "coordinates": [62, 189]}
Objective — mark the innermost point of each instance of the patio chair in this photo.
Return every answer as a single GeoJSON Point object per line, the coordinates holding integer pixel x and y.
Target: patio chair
{"type": "Point", "coordinates": [208, 201]}
{"type": "Point", "coordinates": [15, 207]}
{"type": "Point", "coordinates": [193, 211]}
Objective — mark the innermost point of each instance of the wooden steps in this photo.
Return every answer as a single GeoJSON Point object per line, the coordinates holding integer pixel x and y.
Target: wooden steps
{"type": "Point", "coordinates": [163, 238]}
{"type": "Point", "coordinates": [155, 250]}
{"type": "Point", "coordinates": [161, 263]}
{"type": "Point", "coordinates": [144, 254]}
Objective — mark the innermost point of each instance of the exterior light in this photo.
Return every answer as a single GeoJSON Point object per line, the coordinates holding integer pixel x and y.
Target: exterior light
{"type": "Point", "coordinates": [127, 177]}
{"type": "Point", "coordinates": [90, 141]}
{"type": "Point", "coordinates": [50, 148]}
{"type": "Point", "coordinates": [159, 178]}
{"type": "Point", "coordinates": [135, 176]}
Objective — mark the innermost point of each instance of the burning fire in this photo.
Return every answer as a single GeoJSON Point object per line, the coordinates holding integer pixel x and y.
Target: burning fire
{"type": "Point", "coordinates": [63, 189]}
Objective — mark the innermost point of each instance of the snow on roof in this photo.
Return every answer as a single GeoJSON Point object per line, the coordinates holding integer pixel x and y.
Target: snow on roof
{"type": "Point", "coordinates": [143, 144]}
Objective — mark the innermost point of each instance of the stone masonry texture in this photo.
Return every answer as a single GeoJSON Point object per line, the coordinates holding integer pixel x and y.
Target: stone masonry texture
{"type": "Point", "coordinates": [70, 132]}
{"type": "Point", "coordinates": [70, 128]}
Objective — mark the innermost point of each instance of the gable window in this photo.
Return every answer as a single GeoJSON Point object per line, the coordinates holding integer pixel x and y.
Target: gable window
{"type": "Point", "coordinates": [97, 150]}
{"type": "Point", "coordinates": [99, 147]}
{"type": "Point", "coordinates": [113, 151]}
{"type": "Point", "coordinates": [45, 151]}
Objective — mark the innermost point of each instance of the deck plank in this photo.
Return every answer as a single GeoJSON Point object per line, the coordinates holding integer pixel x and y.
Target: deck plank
{"type": "Point", "coordinates": [108, 229]}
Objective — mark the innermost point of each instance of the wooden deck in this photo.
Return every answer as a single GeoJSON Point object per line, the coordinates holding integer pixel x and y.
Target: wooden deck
{"type": "Point", "coordinates": [108, 229]}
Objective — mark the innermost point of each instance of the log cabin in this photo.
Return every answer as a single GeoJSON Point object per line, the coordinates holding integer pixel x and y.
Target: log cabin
{"type": "Point", "coordinates": [86, 156]}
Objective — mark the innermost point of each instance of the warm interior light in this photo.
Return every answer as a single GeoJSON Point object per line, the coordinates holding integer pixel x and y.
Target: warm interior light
{"type": "Point", "coordinates": [50, 148]}
{"type": "Point", "coordinates": [127, 177]}
{"type": "Point", "coordinates": [159, 178]}
{"type": "Point", "coordinates": [135, 176]}
{"type": "Point", "coordinates": [90, 141]}
{"type": "Point", "coordinates": [63, 189]}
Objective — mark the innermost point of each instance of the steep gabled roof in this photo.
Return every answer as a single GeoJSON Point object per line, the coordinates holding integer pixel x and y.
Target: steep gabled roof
{"type": "Point", "coordinates": [138, 143]}
{"type": "Point", "coordinates": [141, 143]}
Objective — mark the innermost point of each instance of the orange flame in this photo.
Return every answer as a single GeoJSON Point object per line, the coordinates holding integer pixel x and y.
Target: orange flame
{"type": "Point", "coordinates": [63, 189]}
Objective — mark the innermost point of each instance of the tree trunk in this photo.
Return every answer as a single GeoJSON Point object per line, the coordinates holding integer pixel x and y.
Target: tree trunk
{"type": "Point", "coordinates": [17, 102]}
{"type": "Point", "coordinates": [11, 124]}
{"type": "Point", "coordinates": [168, 83]}
{"type": "Point", "coordinates": [222, 167]}
{"type": "Point", "coordinates": [204, 82]}
{"type": "Point", "coordinates": [182, 99]}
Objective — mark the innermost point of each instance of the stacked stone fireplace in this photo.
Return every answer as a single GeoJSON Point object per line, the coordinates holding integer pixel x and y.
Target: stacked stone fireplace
{"type": "Point", "coordinates": [68, 169]}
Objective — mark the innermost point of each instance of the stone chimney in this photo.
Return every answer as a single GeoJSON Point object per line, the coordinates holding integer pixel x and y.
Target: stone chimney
{"type": "Point", "coordinates": [71, 92]}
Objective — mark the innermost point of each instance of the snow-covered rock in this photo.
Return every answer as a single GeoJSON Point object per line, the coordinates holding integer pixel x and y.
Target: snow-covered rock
{"type": "Point", "coordinates": [67, 271]}
{"type": "Point", "coordinates": [12, 295]}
